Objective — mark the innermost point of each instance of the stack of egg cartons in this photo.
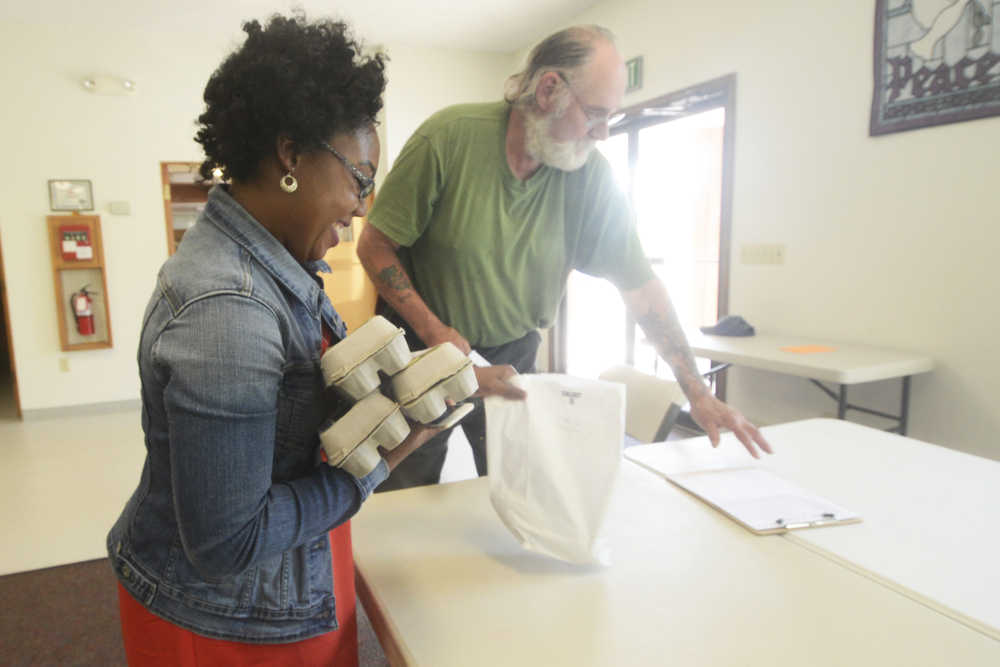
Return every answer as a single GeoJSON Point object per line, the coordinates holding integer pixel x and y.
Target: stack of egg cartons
{"type": "Point", "coordinates": [422, 385]}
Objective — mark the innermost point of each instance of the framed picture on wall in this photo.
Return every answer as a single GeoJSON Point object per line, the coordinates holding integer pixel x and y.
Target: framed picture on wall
{"type": "Point", "coordinates": [70, 195]}
{"type": "Point", "coordinates": [936, 62]}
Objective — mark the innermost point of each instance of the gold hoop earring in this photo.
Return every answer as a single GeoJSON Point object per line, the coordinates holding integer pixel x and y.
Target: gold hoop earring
{"type": "Point", "coordinates": [288, 183]}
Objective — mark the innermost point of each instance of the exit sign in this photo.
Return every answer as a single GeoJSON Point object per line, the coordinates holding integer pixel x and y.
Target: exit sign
{"type": "Point", "coordinates": [633, 68]}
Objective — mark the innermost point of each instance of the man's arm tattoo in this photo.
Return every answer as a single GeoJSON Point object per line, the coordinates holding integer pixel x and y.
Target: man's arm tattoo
{"type": "Point", "coordinates": [396, 279]}
{"type": "Point", "coordinates": [666, 334]}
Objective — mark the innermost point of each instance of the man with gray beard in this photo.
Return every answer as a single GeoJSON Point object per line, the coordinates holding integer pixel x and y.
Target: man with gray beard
{"type": "Point", "coordinates": [489, 207]}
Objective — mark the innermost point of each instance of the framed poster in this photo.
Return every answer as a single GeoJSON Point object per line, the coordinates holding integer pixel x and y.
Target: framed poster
{"type": "Point", "coordinates": [936, 62]}
{"type": "Point", "coordinates": [70, 195]}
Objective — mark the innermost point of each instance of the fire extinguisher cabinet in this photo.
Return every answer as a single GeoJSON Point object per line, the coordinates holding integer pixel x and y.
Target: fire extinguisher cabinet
{"type": "Point", "coordinates": [81, 285]}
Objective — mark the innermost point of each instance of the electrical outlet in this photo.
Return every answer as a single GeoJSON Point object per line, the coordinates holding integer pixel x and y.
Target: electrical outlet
{"type": "Point", "coordinates": [762, 253]}
{"type": "Point", "coordinates": [63, 365]}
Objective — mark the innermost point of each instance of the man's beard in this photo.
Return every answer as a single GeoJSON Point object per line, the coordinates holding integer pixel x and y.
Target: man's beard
{"type": "Point", "coordinates": [563, 155]}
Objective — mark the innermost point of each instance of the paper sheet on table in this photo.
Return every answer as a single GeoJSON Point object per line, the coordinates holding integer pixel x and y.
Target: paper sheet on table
{"type": "Point", "coordinates": [761, 501]}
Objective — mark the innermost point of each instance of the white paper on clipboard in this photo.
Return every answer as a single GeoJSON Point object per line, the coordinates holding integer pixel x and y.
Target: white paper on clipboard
{"type": "Point", "coordinates": [762, 501]}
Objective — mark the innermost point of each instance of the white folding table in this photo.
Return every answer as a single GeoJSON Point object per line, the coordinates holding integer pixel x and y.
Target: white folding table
{"type": "Point", "coordinates": [929, 514]}
{"type": "Point", "coordinates": [445, 583]}
{"type": "Point", "coordinates": [841, 363]}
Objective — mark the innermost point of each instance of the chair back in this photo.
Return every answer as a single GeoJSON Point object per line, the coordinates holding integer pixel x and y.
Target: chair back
{"type": "Point", "coordinates": [652, 404]}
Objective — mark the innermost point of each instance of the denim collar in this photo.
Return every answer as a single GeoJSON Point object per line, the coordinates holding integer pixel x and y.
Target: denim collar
{"type": "Point", "coordinates": [299, 278]}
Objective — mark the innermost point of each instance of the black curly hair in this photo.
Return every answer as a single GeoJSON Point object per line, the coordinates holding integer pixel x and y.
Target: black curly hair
{"type": "Point", "coordinates": [306, 80]}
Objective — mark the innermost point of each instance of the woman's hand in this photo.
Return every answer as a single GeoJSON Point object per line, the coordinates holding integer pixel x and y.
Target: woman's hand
{"type": "Point", "coordinates": [419, 434]}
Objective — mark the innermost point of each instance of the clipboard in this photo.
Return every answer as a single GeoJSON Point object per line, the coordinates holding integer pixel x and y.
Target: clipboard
{"type": "Point", "coordinates": [759, 500]}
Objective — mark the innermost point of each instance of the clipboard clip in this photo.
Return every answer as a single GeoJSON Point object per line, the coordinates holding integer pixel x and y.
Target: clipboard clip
{"type": "Point", "coordinates": [827, 517]}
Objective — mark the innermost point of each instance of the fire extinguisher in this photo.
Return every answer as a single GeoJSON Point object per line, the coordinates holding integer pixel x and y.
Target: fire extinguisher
{"type": "Point", "coordinates": [81, 303]}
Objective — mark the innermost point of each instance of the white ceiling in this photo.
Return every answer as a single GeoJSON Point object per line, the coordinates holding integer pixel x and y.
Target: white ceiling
{"type": "Point", "coordinates": [485, 25]}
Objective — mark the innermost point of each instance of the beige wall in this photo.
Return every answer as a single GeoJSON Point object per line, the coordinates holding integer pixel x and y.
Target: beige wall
{"type": "Point", "coordinates": [889, 240]}
{"type": "Point", "coordinates": [54, 129]}
{"type": "Point", "coordinates": [424, 80]}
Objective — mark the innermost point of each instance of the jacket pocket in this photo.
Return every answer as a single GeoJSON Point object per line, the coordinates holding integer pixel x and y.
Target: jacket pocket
{"type": "Point", "coordinates": [132, 578]}
{"type": "Point", "coordinates": [278, 588]}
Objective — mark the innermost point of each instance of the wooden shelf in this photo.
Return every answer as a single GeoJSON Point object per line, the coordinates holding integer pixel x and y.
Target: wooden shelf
{"type": "Point", "coordinates": [188, 192]}
{"type": "Point", "coordinates": [183, 192]}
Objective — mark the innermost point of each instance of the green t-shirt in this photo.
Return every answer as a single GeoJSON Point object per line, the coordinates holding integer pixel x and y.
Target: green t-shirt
{"type": "Point", "coordinates": [488, 253]}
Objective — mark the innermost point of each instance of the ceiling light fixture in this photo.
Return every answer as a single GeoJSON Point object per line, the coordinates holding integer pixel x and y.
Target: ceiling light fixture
{"type": "Point", "coordinates": [108, 85]}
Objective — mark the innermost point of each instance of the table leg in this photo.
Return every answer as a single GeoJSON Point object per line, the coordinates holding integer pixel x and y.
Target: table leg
{"type": "Point", "coordinates": [904, 408]}
{"type": "Point", "coordinates": [843, 406]}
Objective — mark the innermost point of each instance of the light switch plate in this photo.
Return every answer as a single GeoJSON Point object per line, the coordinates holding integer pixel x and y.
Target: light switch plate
{"type": "Point", "coordinates": [762, 253]}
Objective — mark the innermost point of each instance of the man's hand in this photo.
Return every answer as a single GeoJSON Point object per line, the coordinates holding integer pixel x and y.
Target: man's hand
{"type": "Point", "coordinates": [651, 307]}
{"type": "Point", "coordinates": [493, 381]}
{"type": "Point", "coordinates": [713, 415]}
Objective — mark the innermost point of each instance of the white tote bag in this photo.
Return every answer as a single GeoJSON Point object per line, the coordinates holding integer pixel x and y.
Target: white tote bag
{"type": "Point", "coordinates": [553, 462]}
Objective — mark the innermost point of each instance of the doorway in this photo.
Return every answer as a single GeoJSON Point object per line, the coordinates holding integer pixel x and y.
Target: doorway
{"type": "Point", "coordinates": [10, 401]}
{"type": "Point", "coordinates": [673, 156]}
{"type": "Point", "coordinates": [184, 197]}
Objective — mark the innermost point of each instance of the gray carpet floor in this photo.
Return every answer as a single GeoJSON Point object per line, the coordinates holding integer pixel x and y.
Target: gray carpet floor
{"type": "Point", "coordinates": [68, 616]}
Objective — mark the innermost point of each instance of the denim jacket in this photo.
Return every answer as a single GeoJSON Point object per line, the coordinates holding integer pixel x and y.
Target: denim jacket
{"type": "Point", "coordinates": [226, 534]}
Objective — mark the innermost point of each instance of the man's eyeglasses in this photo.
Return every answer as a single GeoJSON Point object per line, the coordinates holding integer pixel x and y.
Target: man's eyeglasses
{"type": "Point", "coordinates": [365, 184]}
{"type": "Point", "coordinates": [595, 116]}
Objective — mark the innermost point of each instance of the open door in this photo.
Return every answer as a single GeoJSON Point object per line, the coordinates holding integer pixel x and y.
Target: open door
{"type": "Point", "coordinates": [10, 400]}
{"type": "Point", "coordinates": [673, 156]}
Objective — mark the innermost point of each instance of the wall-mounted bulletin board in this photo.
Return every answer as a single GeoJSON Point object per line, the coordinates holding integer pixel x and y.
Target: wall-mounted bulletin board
{"type": "Point", "coordinates": [81, 285]}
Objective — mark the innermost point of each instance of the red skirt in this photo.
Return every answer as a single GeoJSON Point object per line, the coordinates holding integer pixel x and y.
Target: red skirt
{"type": "Point", "coordinates": [151, 641]}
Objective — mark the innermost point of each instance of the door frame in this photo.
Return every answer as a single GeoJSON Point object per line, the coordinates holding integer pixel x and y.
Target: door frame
{"type": "Point", "coordinates": [10, 338]}
{"type": "Point", "coordinates": [712, 94]}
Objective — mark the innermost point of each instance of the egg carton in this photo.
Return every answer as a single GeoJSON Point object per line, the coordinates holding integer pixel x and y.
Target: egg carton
{"type": "Point", "coordinates": [352, 365]}
{"type": "Point", "coordinates": [423, 384]}
{"type": "Point", "coordinates": [352, 442]}
{"type": "Point", "coordinates": [434, 377]}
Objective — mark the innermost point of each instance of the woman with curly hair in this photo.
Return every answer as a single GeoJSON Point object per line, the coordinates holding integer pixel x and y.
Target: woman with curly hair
{"type": "Point", "coordinates": [235, 548]}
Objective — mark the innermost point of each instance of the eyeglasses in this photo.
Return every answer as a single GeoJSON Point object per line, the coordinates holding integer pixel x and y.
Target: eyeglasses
{"type": "Point", "coordinates": [595, 116]}
{"type": "Point", "coordinates": [365, 184]}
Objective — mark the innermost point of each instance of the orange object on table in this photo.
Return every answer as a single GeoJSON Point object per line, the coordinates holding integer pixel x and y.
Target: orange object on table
{"type": "Point", "coordinates": [807, 349]}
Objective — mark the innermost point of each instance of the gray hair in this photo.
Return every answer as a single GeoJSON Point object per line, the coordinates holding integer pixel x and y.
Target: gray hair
{"type": "Point", "coordinates": [566, 51]}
